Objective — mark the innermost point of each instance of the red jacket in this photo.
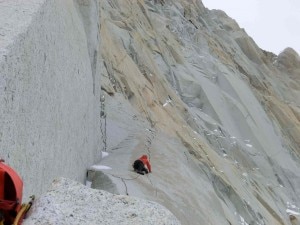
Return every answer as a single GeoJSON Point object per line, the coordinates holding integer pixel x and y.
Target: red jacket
{"type": "Point", "coordinates": [144, 159]}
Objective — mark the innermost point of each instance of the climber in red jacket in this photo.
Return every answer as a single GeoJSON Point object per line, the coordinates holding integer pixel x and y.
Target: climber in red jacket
{"type": "Point", "coordinates": [140, 165]}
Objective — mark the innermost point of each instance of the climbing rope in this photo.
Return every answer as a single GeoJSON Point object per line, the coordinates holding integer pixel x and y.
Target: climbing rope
{"type": "Point", "coordinates": [152, 185]}
{"type": "Point", "coordinates": [149, 143]}
{"type": "Point", "coordinates": [123, 180]}
{"type": "Point", "coordinates": [123, 177]}
{"type": "Point", "coordinates": [103, 126]}
{"type": "Point", "coordinates": [147, 146]}
{"type": "Point", "coordinates": [126, 189]}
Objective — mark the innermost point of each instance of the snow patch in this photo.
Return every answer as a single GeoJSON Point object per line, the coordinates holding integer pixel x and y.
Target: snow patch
{"type": "Point", "coordinates": [245, 174]}
{"type": "Point", "coordinates": [104, 154]}
{"type": "Point", "coordinates": [292, 209]}
{"type": "Point", "coordinates": [243, 222]}
{"type": "Point", "coordinates": [88, 183]}
{"type": "Point", "coordinates": [100, 167]}
{"type": "Point", "coordinates": [292, 212]}
{"type": "Point", "coordinates": [167, 102]}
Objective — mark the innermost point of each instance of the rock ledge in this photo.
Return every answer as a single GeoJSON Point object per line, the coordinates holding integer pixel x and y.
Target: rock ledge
{"type": "Point", "coordinates": [69, 202]}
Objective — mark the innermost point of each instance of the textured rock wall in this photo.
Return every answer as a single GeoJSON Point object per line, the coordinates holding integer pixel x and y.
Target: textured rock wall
{"type": "Point", "coordinates": [49, 103]}
{"type": "Point", "coordinates": [217, 115]}
{"type": "Point", "coordinates": [68, 202]}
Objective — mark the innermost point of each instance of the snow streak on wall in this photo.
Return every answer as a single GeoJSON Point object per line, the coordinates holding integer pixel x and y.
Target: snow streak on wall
{"type": "Point", "coordinates": [49, 103]}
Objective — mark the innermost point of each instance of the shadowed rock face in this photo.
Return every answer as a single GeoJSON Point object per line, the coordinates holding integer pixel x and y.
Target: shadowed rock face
{"type": "Point", "coordinates": [218, 116]}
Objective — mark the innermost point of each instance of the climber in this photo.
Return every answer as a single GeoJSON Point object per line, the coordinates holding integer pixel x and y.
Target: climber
{"type": "Point", "coordinates": [11, 190]}
{"type": "Point", "coordinates": [12, 211]}
{"type": "Point", "coordinates": [140, 165]}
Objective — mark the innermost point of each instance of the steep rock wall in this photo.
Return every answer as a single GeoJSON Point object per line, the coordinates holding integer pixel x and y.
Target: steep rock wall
{"type": "Point", "coordinates": [217, 115]}
{"type": "Point", "coordinates": [49, 103]}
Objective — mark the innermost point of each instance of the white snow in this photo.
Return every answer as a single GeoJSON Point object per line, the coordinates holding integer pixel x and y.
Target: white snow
{"type": "Point", "coordinates": [292, 212]}
{"type": "Point", "coordinates": [243, 222]}
{"type": "Point", "coordinates": [292, 209]}
{"type": "Point", "coordinates": [100, 167]}
{"type": "Point", "coordinates": [104, 154]}
{"type": "Point", "coordinates": [88, 183]}
{"type": "Point", "coordinates": [167, 102]}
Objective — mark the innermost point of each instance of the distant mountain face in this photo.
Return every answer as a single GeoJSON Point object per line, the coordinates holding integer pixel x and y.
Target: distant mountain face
{"type": "Point", "coordinates": [211, 94]}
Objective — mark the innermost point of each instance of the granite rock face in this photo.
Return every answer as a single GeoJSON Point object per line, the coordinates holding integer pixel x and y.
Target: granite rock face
{"type": "Point", "coordinates": [49, 104]}
{"type": "Point", "coordinates": [69, 202]}
{"type": "Point", "coordinates": [218, 117]}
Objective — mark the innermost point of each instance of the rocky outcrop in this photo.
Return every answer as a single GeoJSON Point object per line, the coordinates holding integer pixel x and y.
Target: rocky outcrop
{"type": "Point", "coordinates": [289, 59]}
{"type": "Point", "coordinates": [49, 104]}
{"type": "Point", "coordinates": [69, 202]}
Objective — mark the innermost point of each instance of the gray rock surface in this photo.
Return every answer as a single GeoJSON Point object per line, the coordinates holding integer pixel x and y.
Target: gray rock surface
{"type": "Point", "coordinates": [49, 105]}
{"type": "Point", "coordinates": [218, 117]}
{"type": "Point", "coordinates": [69, 202]}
